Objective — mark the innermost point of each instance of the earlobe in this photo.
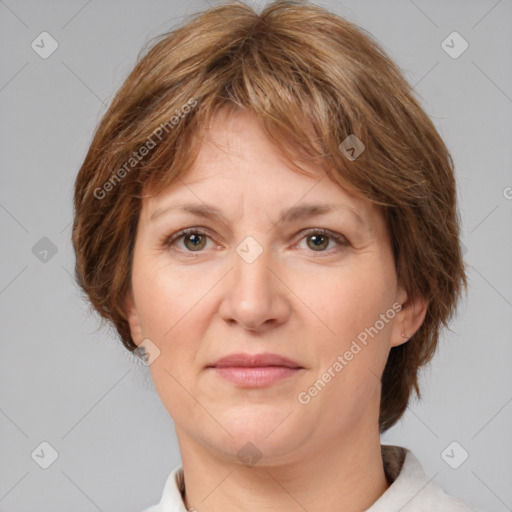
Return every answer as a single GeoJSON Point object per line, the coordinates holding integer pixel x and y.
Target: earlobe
{"type": "Point", "coordinates": [408, 320]}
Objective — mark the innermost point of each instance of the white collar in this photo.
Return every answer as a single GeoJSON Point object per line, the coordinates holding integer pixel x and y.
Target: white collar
{"type": "Point", "coordinates": [410, 489]}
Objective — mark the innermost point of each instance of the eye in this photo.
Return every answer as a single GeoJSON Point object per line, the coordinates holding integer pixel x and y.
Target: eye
{"type": "Point", "coordinates": [194, 240]}
{"type": "Point", "coordinates": [318, 239]}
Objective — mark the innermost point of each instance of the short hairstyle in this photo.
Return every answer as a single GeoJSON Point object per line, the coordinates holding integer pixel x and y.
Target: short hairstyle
{"type": "Point", "coordinates": [312, 79]}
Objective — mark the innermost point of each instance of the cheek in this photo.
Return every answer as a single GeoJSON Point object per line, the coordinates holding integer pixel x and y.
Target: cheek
{"type": "Point", "coordinates": [172, 314]}
{"type": "Point", "coordinates": [349, 299]}
{"type": "Point", "coordinates": [167, 300]}
{"type": "Point", "coordinates": [351, 360]}
{"type": "Point", "coordinates": [356, 345]}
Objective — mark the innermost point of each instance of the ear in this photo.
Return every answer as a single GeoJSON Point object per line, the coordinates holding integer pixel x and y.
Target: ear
{"type": "Point", "coordinates": [133, 319]}
{"type": "Point", "coordinates": [409, 319]}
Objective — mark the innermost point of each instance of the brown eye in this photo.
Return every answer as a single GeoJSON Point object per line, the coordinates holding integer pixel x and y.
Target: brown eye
{"type": "Point", "coordinates": [318, 242]}
{"type": "Point", "coordinates": [187, 241]}
{"type": "Point", "coordinates": [194, 241]}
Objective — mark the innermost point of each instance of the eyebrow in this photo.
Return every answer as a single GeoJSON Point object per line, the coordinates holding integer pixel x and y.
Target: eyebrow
{"type": "Point", "coordinates": [291, 215]}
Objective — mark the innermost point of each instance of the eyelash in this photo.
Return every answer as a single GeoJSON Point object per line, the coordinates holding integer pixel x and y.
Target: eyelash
{"type": "Point", "coordinates": [169, 241]}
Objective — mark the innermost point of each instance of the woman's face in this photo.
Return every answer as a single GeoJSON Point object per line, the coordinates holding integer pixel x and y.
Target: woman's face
{"type": "Point", "coordinates": [259, 277]}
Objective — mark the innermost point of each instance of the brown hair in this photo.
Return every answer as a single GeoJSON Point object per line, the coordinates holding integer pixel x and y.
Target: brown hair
{"type": "Point", "coordinates": [312, 79]}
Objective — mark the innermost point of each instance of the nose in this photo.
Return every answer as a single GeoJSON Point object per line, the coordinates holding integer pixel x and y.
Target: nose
{"type": "Point", "coordinates": [255, 296]}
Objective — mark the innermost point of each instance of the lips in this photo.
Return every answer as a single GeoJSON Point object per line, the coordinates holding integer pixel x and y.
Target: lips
{"type": "Point", "coordinates": [255, 370]}
{"type": "Point", "coordinates": [254, 360]}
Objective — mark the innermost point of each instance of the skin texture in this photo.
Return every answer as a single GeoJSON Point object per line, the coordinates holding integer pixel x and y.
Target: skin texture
{"type": "Point", "coordinates": [295, 300]}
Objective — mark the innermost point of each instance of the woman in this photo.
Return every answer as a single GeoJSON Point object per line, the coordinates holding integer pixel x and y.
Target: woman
{"type": "Point", "coordinates": [269, 219]}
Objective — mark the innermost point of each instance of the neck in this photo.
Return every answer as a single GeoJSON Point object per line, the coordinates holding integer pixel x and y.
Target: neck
{"type": "Point", "coordinates": [347, 475]}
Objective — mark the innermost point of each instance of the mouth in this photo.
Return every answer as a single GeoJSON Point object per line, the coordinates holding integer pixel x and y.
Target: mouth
{"type": "Point", "coordinates": [255, 370]}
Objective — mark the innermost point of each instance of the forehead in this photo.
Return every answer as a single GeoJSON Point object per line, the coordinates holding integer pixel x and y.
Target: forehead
{"type": "Point", "coordinates": [239, 168]}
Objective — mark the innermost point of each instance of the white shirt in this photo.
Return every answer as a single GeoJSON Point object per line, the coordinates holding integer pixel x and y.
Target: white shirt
{"type": "Point", "coordinates": [410, 489]}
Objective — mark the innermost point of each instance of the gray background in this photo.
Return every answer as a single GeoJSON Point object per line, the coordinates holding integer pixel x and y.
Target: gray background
{"type": "Point", "coordinates": [65, 381]}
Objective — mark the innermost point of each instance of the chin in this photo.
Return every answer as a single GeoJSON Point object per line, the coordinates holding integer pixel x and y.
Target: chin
{"type": "Point", "coordinates": [246, 451]}
{"type": "Point", "coordinates": [270, 434]}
